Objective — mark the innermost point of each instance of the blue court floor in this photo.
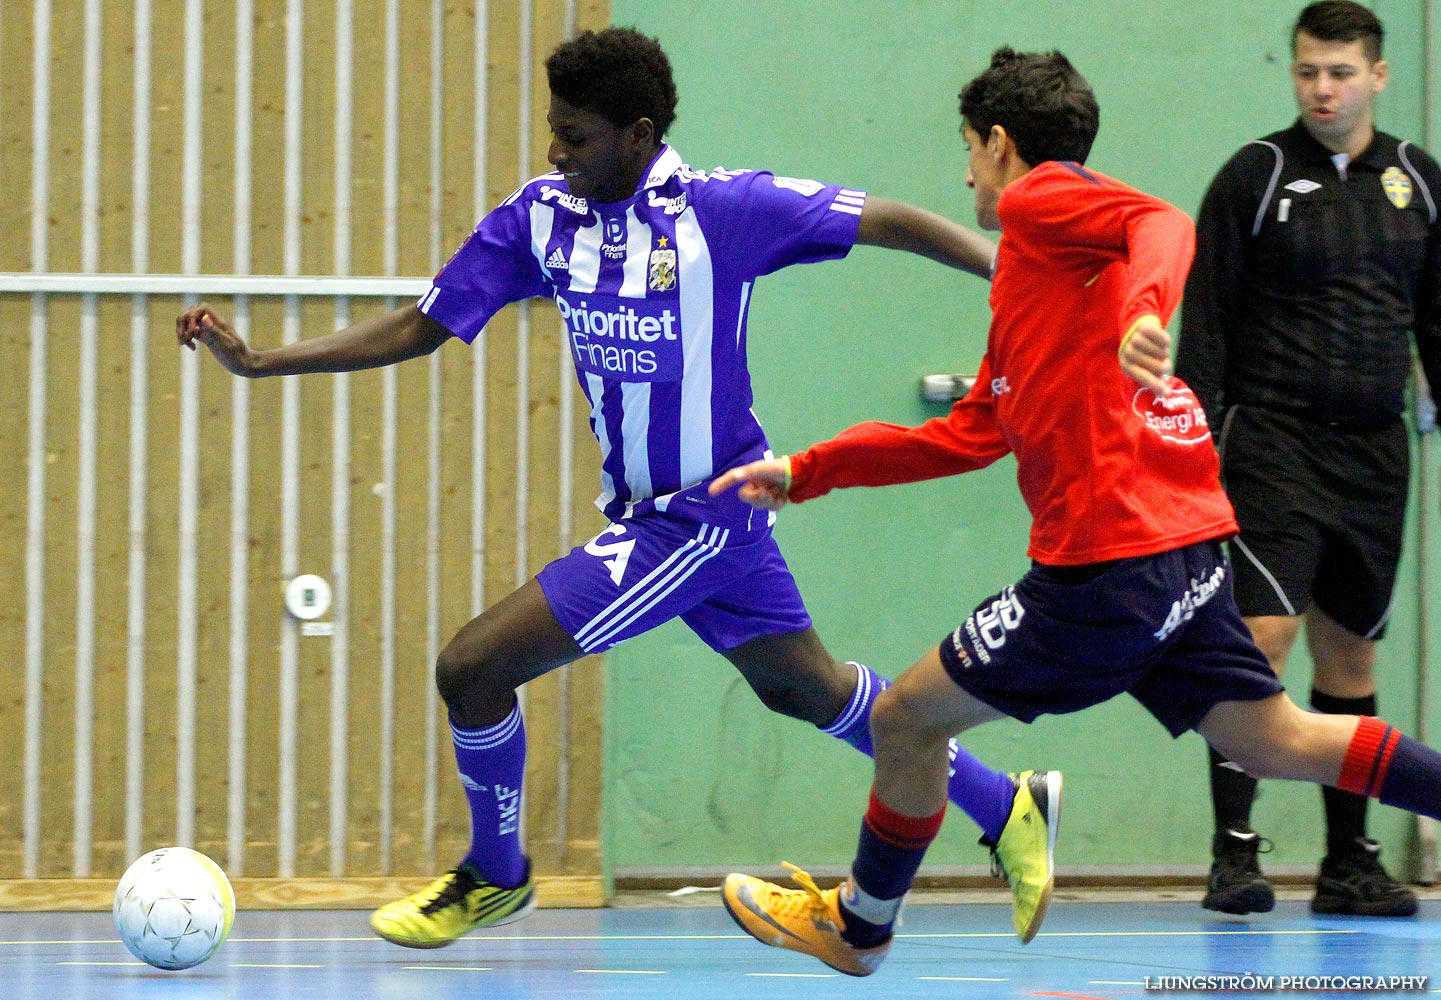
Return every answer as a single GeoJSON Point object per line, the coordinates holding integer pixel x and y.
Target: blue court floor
{"type": "Point", "coordinates": [1087, 951]}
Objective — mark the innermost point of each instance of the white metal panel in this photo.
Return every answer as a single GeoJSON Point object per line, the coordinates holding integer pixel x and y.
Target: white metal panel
{"type": "Point", "coordinates": [340, 453]}
{"type": "Point", "coordinates": [193, 283]}
{"type": "Point", "coordinates": [288, 793]}
{"type": "Point", "coordinates": [522, 323]}
{"type": "Point", "coordinates": [481, 99]}
{"type": "Point", "coordinates": [188, 570]}
{"type": "Point", "coordinates": [139, 471]}
{"type": "Point", "coordinates": [431, 700]}
{"type": "Point", "coordinates": [35, 471]}
{"type": "Point", "coordinates": [391, 254]}
{"type": "Point", "coordinates": [239, 648]}
{"type": "Point", "coordinates": [82, 838]}
{"type": "Point", "coordinates": [389, 420]}
{"type": "Point", "coordinates": [565, 498]}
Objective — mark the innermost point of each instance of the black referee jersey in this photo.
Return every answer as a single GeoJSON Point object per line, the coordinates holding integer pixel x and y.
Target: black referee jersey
{"type": "Point", "coordinates": [1307, 279]}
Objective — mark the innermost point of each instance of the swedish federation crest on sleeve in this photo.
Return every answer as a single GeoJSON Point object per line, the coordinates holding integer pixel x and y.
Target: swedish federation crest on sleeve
{"type": "Point", "coordinates": [662, 269]}
{"type": "Point", "coordinates": [1397, 187]}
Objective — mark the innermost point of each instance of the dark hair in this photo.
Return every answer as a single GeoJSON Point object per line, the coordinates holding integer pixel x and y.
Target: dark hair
{"type": "Point", "coordinates": [1341, 21]}
{"type": "Point", "coordinates": [618, 73]}
{"type": "Point", "coordinates": [1040, 100]}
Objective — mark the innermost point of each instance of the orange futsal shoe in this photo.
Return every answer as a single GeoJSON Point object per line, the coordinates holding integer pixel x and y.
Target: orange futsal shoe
{"type": "Point", "coordinates": [807, 920]}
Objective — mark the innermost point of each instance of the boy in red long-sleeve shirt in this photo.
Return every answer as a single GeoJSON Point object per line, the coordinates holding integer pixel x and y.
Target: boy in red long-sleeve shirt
{"type": "Point", "coordinates": [1129, 590]}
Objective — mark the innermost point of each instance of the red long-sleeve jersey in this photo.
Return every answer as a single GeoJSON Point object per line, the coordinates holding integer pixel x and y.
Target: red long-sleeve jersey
{"type": "Point", "coordinates": [1107, 470]}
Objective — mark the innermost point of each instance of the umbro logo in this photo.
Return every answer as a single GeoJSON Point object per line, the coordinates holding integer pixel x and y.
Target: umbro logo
{"type": "Point", "coordinates": [556, 261]}
{"type": "Point", "coordinates": [1303, 186]}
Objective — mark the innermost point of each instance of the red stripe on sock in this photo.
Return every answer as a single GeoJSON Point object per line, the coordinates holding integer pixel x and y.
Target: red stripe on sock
{"type": "Point", "coordinates": [1363, 770]}
{"type": "Point", "coordinates": [909, 832]}
{"type": "Point", "coordinates": [1383, 761]}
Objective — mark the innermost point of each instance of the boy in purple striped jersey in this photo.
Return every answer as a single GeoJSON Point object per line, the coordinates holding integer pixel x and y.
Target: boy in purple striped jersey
{"type": "Point", "coordinates": [651, 265]}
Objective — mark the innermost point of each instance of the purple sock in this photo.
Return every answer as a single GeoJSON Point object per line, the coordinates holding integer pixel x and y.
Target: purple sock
{"type": "Point", "coordinates": [983, 794]}
{"type": "Point", "coordinates": [492, 765]}
{"type": "Point", "coordinates": [853, 725]}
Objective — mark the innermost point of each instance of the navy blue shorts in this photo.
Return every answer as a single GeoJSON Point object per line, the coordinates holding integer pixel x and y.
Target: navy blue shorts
{"type": "Point", "coordinates": [1163, 628]}
{"type": "Point", "coordinates": [728, 585]}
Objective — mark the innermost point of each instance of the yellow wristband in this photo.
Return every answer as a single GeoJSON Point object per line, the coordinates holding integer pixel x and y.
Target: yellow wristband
{"type": "Point", "coordinates": [787, 459]}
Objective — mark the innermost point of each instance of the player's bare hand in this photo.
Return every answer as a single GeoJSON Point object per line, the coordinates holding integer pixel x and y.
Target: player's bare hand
{"type": "Point", "coordinates": [762, 484]}
{"type": "Point", "coordinates": [200, 324]}
{"type": "Point", "coordinates": [1145, 355]}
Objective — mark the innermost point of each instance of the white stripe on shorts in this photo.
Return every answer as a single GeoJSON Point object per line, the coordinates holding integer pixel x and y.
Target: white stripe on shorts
{"type": "Point", "coordinates": [1285, 601]}
{"type": "Point", "coordinates": [1384, 617]}
{"type": "Point", "coordinates": [654, 586]}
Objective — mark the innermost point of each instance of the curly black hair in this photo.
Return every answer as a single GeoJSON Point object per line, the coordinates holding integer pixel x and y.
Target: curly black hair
{"type": "Point", "coordinates": [617, 73]}
{"type": "Point", "coordinates": [1041, 101]}
{"type": "Point", "coordinates": [1341, 21]}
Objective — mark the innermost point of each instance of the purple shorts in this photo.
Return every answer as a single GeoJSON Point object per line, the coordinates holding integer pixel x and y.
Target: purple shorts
{"type": "Point", "coordinates": [729, 586]}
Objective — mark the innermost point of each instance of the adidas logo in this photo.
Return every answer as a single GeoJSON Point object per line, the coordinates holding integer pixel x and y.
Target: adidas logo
{"type": "Point", "coordinates": [556, 261]}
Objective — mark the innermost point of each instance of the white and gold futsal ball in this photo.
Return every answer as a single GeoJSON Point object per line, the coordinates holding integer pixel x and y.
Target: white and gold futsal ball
{"type": "Point", "coordinates": [173, 908]}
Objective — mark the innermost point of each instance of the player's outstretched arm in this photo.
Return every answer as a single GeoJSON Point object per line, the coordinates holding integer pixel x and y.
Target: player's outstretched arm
{"type": "Point", "coordinates": [899, 226]}
{"type": "Point", "coordinates": [764, 484]}
{"type": "Point", "coordinates": [382, 340]}
{"type": "Point", "coordinates": [1145, 354]}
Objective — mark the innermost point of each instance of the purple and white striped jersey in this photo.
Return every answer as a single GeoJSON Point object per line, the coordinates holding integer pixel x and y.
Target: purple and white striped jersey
{"type": "Point", "coordinates": [653, 293]}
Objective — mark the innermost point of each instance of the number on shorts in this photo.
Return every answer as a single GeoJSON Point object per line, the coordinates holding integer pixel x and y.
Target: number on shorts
{"type": "Point", "coordinates": [614, 554]}
{"type": "Point", "coordinates": [1004, 614]}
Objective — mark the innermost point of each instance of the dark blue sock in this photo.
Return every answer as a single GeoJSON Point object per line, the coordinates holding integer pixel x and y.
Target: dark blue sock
{"type": "Point", "coordinates": [888, 855]}
{"type": "Point", "coordinates": [983, 794]}
{"type": "Point", "coordinates": [1412, 779]}
{"type": "Point", "coordinates": [884, 867]}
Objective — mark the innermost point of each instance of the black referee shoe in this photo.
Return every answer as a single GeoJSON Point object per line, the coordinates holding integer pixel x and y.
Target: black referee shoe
{"type": "Point", "coordinates": [1354, 882]}
{"type": "Point", "coordinates": [1236, 885]}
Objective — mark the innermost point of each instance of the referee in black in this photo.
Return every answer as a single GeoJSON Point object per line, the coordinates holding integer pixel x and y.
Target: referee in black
{"type": "Point", "coordinates": [1318, 249]}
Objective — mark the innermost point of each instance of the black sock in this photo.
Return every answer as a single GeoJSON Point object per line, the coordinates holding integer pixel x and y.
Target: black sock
{"type": "Point", "coordinates": [1232, 793]}
{"type": "Point", "coordinates": [1345, 812]}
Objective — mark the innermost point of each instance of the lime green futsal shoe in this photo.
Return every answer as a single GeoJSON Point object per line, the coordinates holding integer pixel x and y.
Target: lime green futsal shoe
{"type": "Point", "coordinates": [452, 906]}
{"type": "Point", "coordinates": [1025, 852]}
{"type": "Point", "coordinates": [807, 920]}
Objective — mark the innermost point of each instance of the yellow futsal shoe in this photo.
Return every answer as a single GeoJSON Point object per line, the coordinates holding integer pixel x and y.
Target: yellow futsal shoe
{"type": "Point", "coordinates": [455, 904]}
{"type": "Point", "coordinates": [807, 920]}
{"type": "Point", "coordinates": [1025, 853]}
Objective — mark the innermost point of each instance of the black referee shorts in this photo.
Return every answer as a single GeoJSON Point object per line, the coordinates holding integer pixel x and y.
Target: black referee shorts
{"type": "Point", "coordinates": [1322, 511]}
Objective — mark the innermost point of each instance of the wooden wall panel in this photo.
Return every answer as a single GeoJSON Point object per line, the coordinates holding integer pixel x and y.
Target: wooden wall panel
{"type": "Point", "coordinates": [14, 336]}
{"type": "Point", "coordinates": [554, 709]}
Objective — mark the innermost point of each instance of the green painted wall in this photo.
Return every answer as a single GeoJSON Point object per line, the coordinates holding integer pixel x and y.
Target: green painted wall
{"type": "Point", "coordinates": [864, 93]}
